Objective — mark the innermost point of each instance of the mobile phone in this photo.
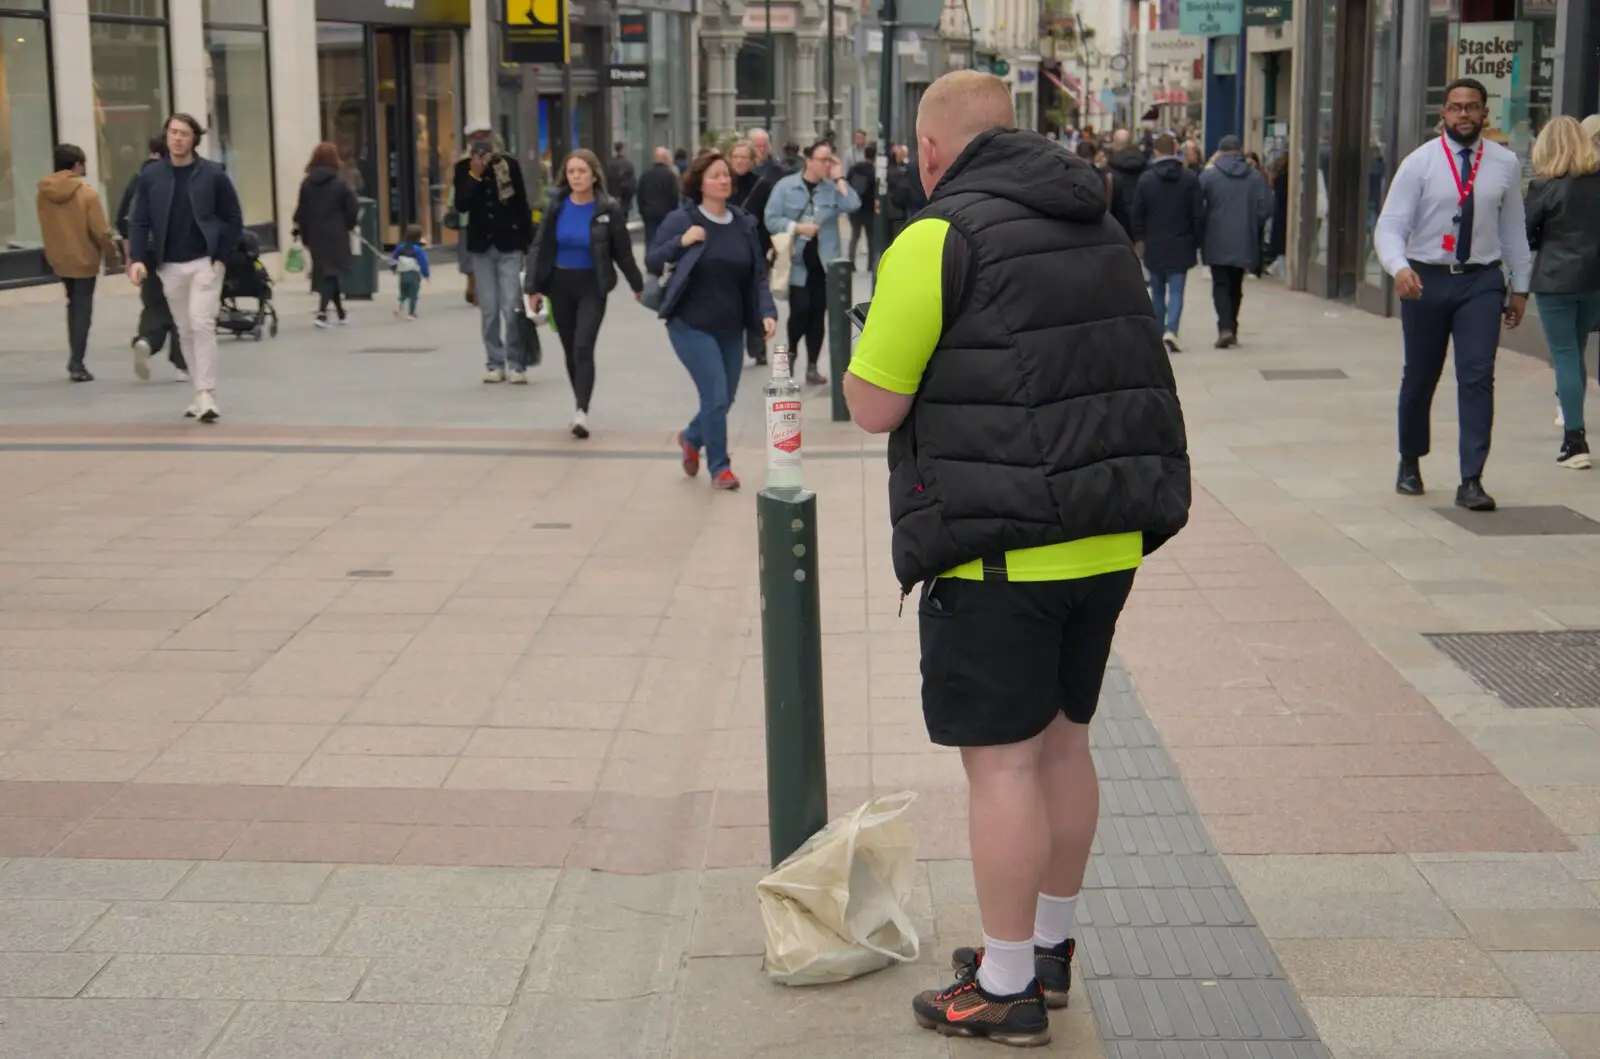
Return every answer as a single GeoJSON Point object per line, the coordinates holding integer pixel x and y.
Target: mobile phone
{"type": "Point", "coordinates": [858, 314]}
{"type": "Point", "coordinates": [482, 147]}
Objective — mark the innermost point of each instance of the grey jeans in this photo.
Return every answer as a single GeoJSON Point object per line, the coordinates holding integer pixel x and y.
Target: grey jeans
{"type": "Point", "coordinates": [499, 276]}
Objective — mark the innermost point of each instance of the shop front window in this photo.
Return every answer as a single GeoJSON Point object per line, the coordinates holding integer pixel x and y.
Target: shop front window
{"type": "Point", "coordinates": [1510, 47]}
{"type": "Point", "coordinates": [1324, 151]}
{"type": "Point", "coordinates": [132, 86]}
{"type": "Point", "coordinates": [27, 127]}
{"type": "Point", "coordinates": [1381, 133]}
{"type": "Point", "coordinates": [240, 123]}
{"type": "Point", "coordinates": [345, 102]}
{"type": "Point", "coordinates": [436, 98]}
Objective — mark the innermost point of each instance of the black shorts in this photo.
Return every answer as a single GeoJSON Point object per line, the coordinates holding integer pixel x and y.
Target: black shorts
{"type": "Point", "coordinates": [1001, 659]}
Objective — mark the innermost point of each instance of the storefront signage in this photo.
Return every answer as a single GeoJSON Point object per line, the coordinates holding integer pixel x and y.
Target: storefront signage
{"type": "Point", "coordinates": [1500, 55]}
{"type": "Point", "coordinates": [397, 12]}
{"type": "Point", "coordinates": [627, 75]}
{"type": "Point", "coordinates": [536, 32]}
{"type": "Point", "coordinates": [1210, 18]}
{"type": "Point", "coordinates": [1267, 12]}
{"type": "Point", "coordinates": [633, 29]}
{"type": "Point", "coordinates": [784, 18]}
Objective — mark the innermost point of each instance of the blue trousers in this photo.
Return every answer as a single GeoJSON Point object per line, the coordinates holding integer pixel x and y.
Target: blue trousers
{"type": "Point", "coordinates": [1166, 295]}
{"type": "Point", "coordinates": [1463, 310]}
{"type": "Point", "coordinates": [714, 362]}
{"type": "Point", "coordinates": [1567, 320]}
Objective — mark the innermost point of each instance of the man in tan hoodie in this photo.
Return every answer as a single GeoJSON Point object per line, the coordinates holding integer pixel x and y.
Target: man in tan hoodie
{"type": "Point", "coordinates": [77, 238]}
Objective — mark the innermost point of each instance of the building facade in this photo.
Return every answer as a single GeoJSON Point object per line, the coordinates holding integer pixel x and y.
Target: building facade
{"type": "Point", "coordinates": [1370, 77]}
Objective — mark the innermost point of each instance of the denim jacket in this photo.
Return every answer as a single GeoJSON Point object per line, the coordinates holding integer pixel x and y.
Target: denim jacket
{"type": "Point", "coordinates": [788, 204]}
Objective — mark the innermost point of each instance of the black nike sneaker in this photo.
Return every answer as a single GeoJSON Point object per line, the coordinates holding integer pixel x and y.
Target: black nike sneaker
{"type": "Point", "coordinates": [966, 1009]}
{"type": "Point", "coordinates": [1052, 967]}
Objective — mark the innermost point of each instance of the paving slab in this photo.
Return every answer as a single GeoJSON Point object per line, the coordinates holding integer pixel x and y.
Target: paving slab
{"type": "Point", "coordinates": [230, 977]}
{"type": "Point", "coordinates": [349, 1031]}
{"type": "Point", "coordinates": [216, 929]}
{"type": "Point", "coordinates": [87, 1029]}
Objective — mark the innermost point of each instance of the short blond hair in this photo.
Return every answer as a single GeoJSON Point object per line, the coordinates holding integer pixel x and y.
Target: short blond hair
{"type": "Point", "coordinates": [1563, 150]}
{"type": "Point", "coordinates": [964, 103]}
{"type": "Point", "coordinates": [1591, 126]}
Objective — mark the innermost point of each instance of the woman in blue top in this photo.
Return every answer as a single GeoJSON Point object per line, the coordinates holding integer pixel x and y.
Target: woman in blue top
{"type": "Point", "coordinates": [717, 294]}
{"type": "Point", "coordinates": [583, 240]}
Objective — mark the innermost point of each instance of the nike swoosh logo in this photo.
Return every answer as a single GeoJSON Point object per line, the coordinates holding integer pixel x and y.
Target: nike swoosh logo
{"type": "Point", "coordinates": [961, 1016]}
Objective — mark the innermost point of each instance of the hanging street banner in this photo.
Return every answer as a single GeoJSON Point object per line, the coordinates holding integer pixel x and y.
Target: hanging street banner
{"type": "Point", "coordinates": [536, 32]}
{"type": "Point", "coordinates": [1267, 12]}
{"type": "Point", "coordinates": [1210, 18]}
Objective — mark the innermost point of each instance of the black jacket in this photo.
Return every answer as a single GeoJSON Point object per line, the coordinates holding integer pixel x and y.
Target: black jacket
{"type": "Point", "coordinates": [621, 178]}
{"type": "Point", "coordinates": [492, 223]}
{"type": "Point", "coordinates": [899, 203]}
{"type": "Point", "coordinates": [863, 177]}
{"type": "Point", "coordinates": [1564, 230]}
{"type": "Point", "coordinates": [325, 216]}
{"type": "Point", "coordinates": [1048, 411]}
{"type": "Point", "coordinates": [750, 194]}
{"type": "Point", "coordinates": [660, 191]}
{"type": "Point", "coordinates": [1169, 215]}
{"type": "Point", "coordinates": [1127, 166]}
{"type": "Point", "coordinates": [609, 242]}
{"type": "Point", "coordinates": [125, 207]}
{"type": "Point", "coordinates": [211, 194]}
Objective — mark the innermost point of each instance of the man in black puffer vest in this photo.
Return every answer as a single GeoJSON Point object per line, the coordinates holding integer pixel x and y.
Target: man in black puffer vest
{"type": "Point", "coordinates": [1037, 454]}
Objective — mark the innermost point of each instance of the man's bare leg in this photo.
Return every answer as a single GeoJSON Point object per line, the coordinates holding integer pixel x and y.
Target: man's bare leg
{"type": "Point", "coordinates": [1072, 801]}
{"type": "Point", "coordinates": [1009, 833]}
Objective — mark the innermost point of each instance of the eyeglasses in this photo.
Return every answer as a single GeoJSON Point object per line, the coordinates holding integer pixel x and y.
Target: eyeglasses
{"type": "Point", "coordinates": [1463, 108]}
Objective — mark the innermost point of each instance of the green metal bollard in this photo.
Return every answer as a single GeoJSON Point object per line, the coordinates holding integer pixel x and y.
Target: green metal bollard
{"type": "Point", "coordinates": [840, 290]}
{"type": "Point", "coordinates": [791, 655]}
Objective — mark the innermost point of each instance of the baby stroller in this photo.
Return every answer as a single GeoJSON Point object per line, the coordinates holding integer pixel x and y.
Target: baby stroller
{"type": "Point", "coordinates": [246, 277]}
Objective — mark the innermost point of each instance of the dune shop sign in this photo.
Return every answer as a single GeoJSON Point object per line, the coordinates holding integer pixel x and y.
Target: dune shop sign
{"type": "Point", "coordinates": [1210, 18]}
{"type": "Point", "coordinates": [536, 32]}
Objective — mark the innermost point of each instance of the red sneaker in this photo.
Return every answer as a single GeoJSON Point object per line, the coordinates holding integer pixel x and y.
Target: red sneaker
{"type": "Point", "coordinates": [725, 480]}
{"type": "Point", "coordinates": [691, 457]}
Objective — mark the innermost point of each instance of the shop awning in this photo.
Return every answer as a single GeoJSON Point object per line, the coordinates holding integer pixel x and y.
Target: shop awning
{"type": "Point", "coordinates": [1074, 88]}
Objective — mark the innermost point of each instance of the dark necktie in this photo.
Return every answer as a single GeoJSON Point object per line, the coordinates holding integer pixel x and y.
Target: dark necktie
{"type": "Point", "coordinates": [1464, 238]}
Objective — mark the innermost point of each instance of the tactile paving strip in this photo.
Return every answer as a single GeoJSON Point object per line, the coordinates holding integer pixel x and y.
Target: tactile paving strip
{"type": "Point", "coordinates": [1173, 962]}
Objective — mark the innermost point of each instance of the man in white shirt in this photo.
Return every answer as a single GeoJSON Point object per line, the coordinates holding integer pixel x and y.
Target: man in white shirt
{"type": "Point", "coordinates": [1452, 219]}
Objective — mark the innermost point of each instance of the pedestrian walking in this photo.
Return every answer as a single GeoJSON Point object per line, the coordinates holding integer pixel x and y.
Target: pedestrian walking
{"type": "Point", "coordinates": [863, 178]}
{"type": "Point", "coordinates": [77, 240]}
{"type": "Point", "coordinates": [583, 241]}
{"type": "Point", "coordinates": [1125, 164]}
{"type": "Point", "coordinates": [490, 191]}
{"type": "Point", "coordinates": [717, 294]}
{"type": "Point", "coordinates": [750, 193]}
{"type": "Point", "coordinates": [660, 189]}
{"type": "Point", "coordinates": [325, 216]}
{"type": "Point", "coordinates": [1169, 220]}
{"type": "Point", "coordinates": [1023, 522]}
{"type": "Point", "coordinates": [1452, 218]}
{"type": "Point", "coordinates": [897, 207]}
{"type": "Point", "coordinates": [1278, 236]}
{"type": "Point", "coordinates": [186, 222]}
{"type": "Point", "coordinates": [1238, 206]}
{"type": "Point", "coordinates": [621, 180]}
{"type": "Point", "coordinates": [1563, 223]}
{"type": "Point", "coordinates": [410, 263]}
{"type": "Point", "coordinates": [808, 206]}
{"type": "Point", "coordinates": [156, 326]}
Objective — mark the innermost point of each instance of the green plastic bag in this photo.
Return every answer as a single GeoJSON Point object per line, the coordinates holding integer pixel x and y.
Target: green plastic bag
{"type": "Point", "coordinates": [294, 261]}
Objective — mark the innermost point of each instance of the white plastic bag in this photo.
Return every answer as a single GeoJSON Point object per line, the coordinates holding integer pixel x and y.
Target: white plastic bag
{"type": "Point", "coordinates": [836, 908]}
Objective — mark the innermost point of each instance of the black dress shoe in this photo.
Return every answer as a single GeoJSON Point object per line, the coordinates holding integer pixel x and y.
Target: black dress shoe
{"type": "Point", "coordinates": [79, 373]}
{"type": "Point", "coordinates": [1408, 482]}
{"type": "Point", "coordinates": [1470, 495]}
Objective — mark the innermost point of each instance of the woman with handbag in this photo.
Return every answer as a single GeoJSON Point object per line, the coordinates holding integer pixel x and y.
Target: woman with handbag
{"type": "Point", "coordinates": [583, 239]}
{"type": "Point", "coordinates": [716, 293]}
{"type": "Point", "coordinates": [323, 220]}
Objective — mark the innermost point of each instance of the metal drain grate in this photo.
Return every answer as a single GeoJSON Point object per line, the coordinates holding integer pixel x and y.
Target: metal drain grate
{"type": "Point", "coordinates": [1530, 670]}
{"type": "Point", "coordinates": [399, 349]}
{"type": "Point", "coordinates": [1301, 374]}
{"type": "Point", "coordinates": [1531, 521]}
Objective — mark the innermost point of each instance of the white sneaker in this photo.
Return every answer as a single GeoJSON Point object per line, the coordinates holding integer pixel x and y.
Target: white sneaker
{"type": "Point", "coordinates": [207, 405]}
{"type": "Point", "coordinates": [193, 411]}
{"type": "Point", "coordinates": [344, 321]}
{"type": "Point", "coordinates": [183, 376]}
{"type": "Point", "coordinates": [580, 425]}
{"type": "Point", "coordinates": [1171, 339]}
{"type": "Point", "coordinates": [320, 321]}
{"type": "Point", "coordinates": [1561, 420]}
{"type": "Point", "coordinates": [494, 375]}
{"type": "Point", "coordinates": [518, 377]}
{"type": "Point", "coordinates": [141, 359]}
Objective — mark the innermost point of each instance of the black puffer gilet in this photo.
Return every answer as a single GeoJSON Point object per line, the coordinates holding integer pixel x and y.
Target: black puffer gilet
{"type": "Point", "coordinates": [1048, 412]}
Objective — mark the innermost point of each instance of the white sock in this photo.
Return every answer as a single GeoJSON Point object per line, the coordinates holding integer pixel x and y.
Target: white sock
{"type": "Point", "coordinates": [1007, 966]}
{"type": "Point", "coordinates": [1053, 919]}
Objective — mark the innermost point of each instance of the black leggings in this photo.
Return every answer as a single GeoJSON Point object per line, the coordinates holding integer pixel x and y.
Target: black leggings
{"type": "Point", "coordinates": [578, 305]}
{"type": "Point", "coordinates": [328, 291]}
{"type": "Point", "coordinates": [808, 317]}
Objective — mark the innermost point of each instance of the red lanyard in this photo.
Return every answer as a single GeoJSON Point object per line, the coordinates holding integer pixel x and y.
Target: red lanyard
{"type": "Point", "coordinates": [1464, 188]}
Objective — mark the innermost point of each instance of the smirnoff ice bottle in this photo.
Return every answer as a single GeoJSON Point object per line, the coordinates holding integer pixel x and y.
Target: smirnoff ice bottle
{"type": "Point", "coordinates": [783, 425]}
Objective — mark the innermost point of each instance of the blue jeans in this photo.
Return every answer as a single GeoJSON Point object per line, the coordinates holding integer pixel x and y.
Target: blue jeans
{"type": "Point", "coordinates": [499, 275]}
{"type": "Point", "coordinates": [1166, 294]}
{"type": "Point", "coordinates": [714, 363]}
{"type": "Point", "coordinates": [1567, 320]}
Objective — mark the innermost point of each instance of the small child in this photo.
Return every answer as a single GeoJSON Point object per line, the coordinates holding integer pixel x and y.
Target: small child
{"type": "Point", "coordinates": [410, 264]}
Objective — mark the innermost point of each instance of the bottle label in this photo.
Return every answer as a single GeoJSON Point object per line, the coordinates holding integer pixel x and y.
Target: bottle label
{"type": "Point", "coordinates": [783, 424]}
